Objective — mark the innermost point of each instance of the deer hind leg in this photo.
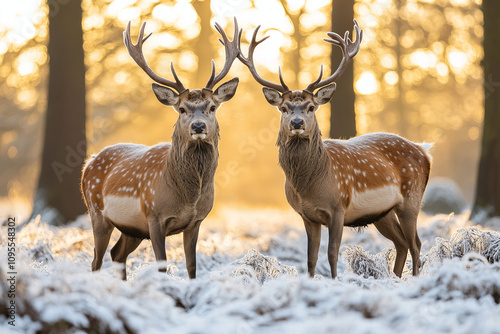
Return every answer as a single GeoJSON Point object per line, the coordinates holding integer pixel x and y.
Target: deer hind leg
{"type": "Point", "coordinates": [101, 228]}
{"type": "Point", "coordinates": [121, 250]}
{"type": "Point", "coordinates": [389, 227]}
{"type": "Point", "coordinates": [190, 237]}
{"type": "Point", "coordinates": [407, 213]}
{"type": "Point", "coordinates": [419, 245]}
{"type": "Point", "coordinates": [313, 231]}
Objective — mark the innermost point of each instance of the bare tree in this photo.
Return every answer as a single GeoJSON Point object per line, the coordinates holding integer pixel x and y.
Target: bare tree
{"type": "Point", "coordinates": [204, 45]}
{"type": "Point", "coordinates": [65, 146]}
{"type": "Point", "coordinates": [487, 202]}
{"type": "Point", "coordinates": [342, 117]}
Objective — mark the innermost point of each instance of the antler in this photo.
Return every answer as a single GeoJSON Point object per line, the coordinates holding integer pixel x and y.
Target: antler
{"type": "Point", "coordinates": [232, 52]}
{"type": "Point", "coordinates": [349, 50]}
{"type": "Point", "coordinates": [135, 51]}
{"type": "Point", "coordinates": [248, 61]}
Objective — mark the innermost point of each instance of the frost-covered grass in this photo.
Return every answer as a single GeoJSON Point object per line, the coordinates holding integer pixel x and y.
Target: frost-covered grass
{"type": "Point", "coordinates": [251, 279]}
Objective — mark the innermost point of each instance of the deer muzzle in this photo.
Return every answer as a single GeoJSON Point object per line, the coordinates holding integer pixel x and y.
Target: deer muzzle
{"type": "Point", "coordinates": [198, 130]}
{"type": "Point", "coordinates": [297, 126]}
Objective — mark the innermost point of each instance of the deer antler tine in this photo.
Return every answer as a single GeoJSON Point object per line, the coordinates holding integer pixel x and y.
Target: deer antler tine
{"type": "Point", "coordinates": [335, 36]}
{"type": "Point", "coordinates": [248, 62]}
{"type": "Point", "coordinates": [332, 41]}
{"type": "Point", "coordinates": [253, 42]}
{"type": "Point", "coordinates": [236, 30]}
{"type": "Point", "coordinates": [212, 74]}
{"type": "Point", "coordinates": [310, 89]}
{"type": "Point", "coordinates": [141, 33]}
{"type": "Point", "coordinates": [346, 37]}
{"type": "Point", "coordinates": [145, 38]}
{"type": "Point", "coordinates": [263, 39]}
{"type": "Point", "coordinates": [349, 50]}
{"type": "Point", "coordinates": [281, 79]}
{"type": "Point", "coordinates": [239, 38]}
{"type": "Point", "coordinates": [222, 32]}
{"type": "Point", "coordinates": [175, 75]}
{"type": "Point", "coordinates": [232, 52]}
{"type": "Point", "coordinates": [135, 51]}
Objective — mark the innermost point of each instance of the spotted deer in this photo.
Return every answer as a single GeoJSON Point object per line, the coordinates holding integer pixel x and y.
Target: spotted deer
{"type": "Point", "coordinates": [150, 192]}
{"type": "Point", "coordinates": [375, 178]}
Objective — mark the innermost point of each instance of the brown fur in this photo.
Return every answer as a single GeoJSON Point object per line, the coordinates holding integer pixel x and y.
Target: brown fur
{"type": "Point", "coordinates": [174, 183]}
{"type": "Point", "coordinates": [322, 176]}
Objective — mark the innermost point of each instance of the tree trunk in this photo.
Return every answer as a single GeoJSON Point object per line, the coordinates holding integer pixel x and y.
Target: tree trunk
{"type": "Point", "coordinates": [295, 59]}
{"type": "Point", "coordinates": [400, 102]}
{"type": "Point", "coordinates": [342, 116]}
{"type": "Point", "coordinates": [65, 147]}
{"type": "Point", "coordinates": [487, 201]}
{"type": "Point", "coordinates": [204, 47]}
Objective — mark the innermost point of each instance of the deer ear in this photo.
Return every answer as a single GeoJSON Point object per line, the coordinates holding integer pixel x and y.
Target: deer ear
{"type": "Point", "coordinates": [165, 95]}
{"type": "Point", "coordinates": [272, 96]}
{"type": "Point", "coordinates": [324, 95]}
{"type": "Point", "coordinates": [226, 91]}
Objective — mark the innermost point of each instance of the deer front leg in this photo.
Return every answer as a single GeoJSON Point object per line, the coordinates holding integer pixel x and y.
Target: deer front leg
{"type": "Point", "coordinates": [313, 231]}
{"type": "Point", "coordinates": [190, 237]}
{"type": "Point", "coordinates": [157, 232]}
{"type": "Point", "coordinates": [334, 238]}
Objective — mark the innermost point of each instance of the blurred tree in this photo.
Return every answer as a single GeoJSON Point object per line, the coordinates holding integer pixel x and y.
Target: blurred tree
{"type": "Point", "coordinates": [294, 58]}
{"type": "Point", "coordinates": [398, 51]}
{"type": "Point", "coordinates": [65, 144]}
{"type": "Point", "coordinates": [204, 46]}
{"type": "Point", "coordinates": [487, 202]}
{"type": "Point", "coordinates": [342, 116]}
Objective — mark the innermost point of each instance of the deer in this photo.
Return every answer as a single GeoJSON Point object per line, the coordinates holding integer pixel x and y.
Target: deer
{"type": "Point", "coordinates": [151, 192]}
{"type": "Point", "coordinates": [375, 178]}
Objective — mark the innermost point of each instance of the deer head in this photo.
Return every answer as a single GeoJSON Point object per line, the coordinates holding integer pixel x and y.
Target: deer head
{"type": "Point", "coordinates": [196, 108]}
{"type": "Point", "coordinates": [298, 108]}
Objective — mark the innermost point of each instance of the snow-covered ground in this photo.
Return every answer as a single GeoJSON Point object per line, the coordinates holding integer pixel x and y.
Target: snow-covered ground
{"type": "Point", "coordinates": [251, 279]}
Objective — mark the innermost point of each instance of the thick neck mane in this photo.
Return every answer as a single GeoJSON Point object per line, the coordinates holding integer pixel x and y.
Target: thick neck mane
{"type": "Point", "coordinates": [304, 160]}
{"type": "Point", "coordinates": [193, 164]}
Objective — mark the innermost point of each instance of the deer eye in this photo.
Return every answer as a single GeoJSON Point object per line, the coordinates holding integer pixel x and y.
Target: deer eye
{"type": "Point", "coordinates": [182, 110]}
{"type": "Point", "coordinates": [283, 109]}
{"type": "Point", "coordinates": [311, 108]}
{"type": "Point", "coordinates": [212, 108]}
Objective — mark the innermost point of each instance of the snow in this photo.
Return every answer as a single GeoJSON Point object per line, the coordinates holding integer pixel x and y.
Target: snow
{"type": "Point", "coordinates": [252, 279]}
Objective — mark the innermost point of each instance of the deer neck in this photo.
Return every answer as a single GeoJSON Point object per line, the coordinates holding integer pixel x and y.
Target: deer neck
{"type": "Point", "coordinates": [192, 164]}
{"type": "Point", "coordinates": [304, 160]}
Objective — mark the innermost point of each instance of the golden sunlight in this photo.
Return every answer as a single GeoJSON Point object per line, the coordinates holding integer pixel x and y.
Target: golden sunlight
{"type": "Point", "coordinates": [418, 74]}
{"type": "Point", "coordinates": [366, 84]}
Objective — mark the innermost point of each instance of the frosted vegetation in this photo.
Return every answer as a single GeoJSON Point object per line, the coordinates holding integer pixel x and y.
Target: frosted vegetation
{"type": "Point", "coordinates": [252, 279]}
{"type": "Point", "coordinates": [443, 195]}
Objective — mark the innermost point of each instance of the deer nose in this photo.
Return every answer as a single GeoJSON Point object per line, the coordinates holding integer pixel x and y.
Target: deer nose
{"type": "Point", "coordinates": [297, 123]}
{"type": "Point", "coordinates": [198, 127]}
